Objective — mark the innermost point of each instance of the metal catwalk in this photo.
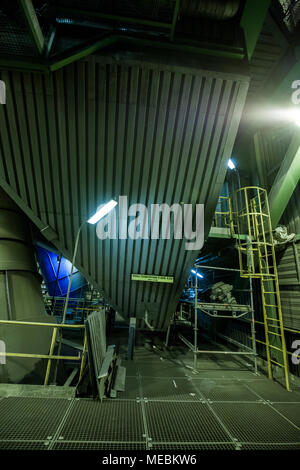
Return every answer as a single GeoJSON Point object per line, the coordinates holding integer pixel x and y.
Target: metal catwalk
{"type": "Point", "coordinates": [166, 405]}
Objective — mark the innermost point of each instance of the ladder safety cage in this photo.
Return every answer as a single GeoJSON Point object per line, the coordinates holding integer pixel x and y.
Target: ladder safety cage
{"type": "Point", "coordinates": [258, 260]}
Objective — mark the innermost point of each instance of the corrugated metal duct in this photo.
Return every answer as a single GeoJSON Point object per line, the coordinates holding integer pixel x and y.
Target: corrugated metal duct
{"type": "Point", "coordinates": [104, 127]}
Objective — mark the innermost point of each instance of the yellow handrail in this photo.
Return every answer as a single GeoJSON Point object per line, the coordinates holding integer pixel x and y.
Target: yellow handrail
{"type": "Point", "coordinates": [49, 356]}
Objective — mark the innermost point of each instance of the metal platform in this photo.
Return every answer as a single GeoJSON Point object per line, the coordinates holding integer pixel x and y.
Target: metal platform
{"type": "Point", "coordinates": [218, 307]}
{"type": "Point", "coordinates": [166, 406]}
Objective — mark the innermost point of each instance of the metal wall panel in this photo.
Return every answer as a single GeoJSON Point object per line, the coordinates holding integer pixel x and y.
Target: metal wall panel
{"type": "Point", "coordinates": [271, 47]}
{"type": "Point", "coordinates": [272, 144]}
{"type": "Point", "coordinates": [291, 216]}
{"type": "Point", "coordinates": [104, 127]}
{"type": "Point", "coordinates": [289, 265]}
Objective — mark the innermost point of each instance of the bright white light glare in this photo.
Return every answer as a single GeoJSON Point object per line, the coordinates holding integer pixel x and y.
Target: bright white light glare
{"type": "Point", "coordinates": [263, 116]}
{"type": "Point", "coordinates": [290, 114]}
{"type": "Point", "coordinates": [230, 164]}
{"type": "Point", "coordinates": [102, 212]}
{"type": "Point", "coordinates": [198, 274]}
{"type": "Point", "coordinates": [296, 116]}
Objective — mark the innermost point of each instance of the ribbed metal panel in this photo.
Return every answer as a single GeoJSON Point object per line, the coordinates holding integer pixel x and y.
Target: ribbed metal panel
{"type": "Point", "coordinates": [289, 265]}
{"type": "Point", "coordinates": [104, 127]}
{"type": "Point", "coordinates": [291, 216]}
{"type": "Point", "coordinates": [272, 144]}
{"type": "Point", "coordinates": [270, 49]}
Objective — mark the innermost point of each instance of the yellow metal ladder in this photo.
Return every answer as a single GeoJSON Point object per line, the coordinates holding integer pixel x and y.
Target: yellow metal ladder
{"type": "Point", "coordinates": [257, 260]}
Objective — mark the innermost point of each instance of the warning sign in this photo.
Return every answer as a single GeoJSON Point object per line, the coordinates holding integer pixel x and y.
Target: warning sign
{"type": "Point", "coordinates": [152, 278]}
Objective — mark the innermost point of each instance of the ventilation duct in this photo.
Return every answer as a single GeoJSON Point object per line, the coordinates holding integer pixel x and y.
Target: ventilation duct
{"type": "Point", "coordinates": [20, 298]}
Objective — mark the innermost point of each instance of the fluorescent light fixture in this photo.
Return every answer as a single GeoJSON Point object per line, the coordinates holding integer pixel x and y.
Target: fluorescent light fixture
{"type": "Point", "coordinates": [102, 212]}
{"type": "Point", "coordinates": [198, 274]}
{"type": "Point", "coordinates": [230, 164]}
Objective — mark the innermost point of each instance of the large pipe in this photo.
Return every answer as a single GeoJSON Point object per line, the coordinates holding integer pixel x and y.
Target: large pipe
{"type": "Point", "coordinates": [20, 298]}
{"type": "Point", "coordinates": [214, 9]}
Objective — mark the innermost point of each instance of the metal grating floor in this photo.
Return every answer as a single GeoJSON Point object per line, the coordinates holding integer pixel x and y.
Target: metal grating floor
{"type": "Point", "coordinates": [110, 420]}
{"type": "Point", "coordinates": [24, 445]}
{"type": "Point", "coordinates": [183, 422]}
{"type": "Point", "coordinates": [166, 406]}
{"type": "Point", "coordinates": [225, 390]}
{"type": "Point", "coordinates": [25, 418]}
{"type": "Point", "coordinates": [169, 389]}
{"type": "Point", "coordinates": [256, 422]}
{"type": "Point", "coordinates": [193, 446]}
{"type": "Point", "coordinates": [90, 445]}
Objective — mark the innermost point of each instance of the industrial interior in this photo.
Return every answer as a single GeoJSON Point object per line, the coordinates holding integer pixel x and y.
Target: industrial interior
{"type": "Point", "coordinates": [119, 331]}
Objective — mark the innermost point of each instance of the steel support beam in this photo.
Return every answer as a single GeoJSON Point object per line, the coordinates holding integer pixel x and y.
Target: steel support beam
{"type": "Point", "coordinates": [69, 12]}
{"type": "Point", "coordinates": [223, 232]}
{"type": "Point", "coordinates": [194, 47]}
{"type": "Point", "coordinates": [45, 66]}
{"type": "Point", "coordinates": [102, 43]}
{"type": "Point", "coordinates": [33, 24]}
{"type": "Point", "coordinates": [175, 17]}
{"type": "Point", "coordinates": [252, 22]}
{"type": "Point", "coordinates": [259, 158]}
{"type": "Point", "coordinates": [286, 180]}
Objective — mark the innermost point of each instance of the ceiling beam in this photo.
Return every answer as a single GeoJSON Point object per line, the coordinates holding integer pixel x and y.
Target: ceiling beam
{"type": "Point", "coordinates": [33, 24]}
{"type": "Point", "coordinates": [45, 65]}
{"type": "Point", "coordinates": [175, 17]}
{"type": "Point", "coordinates": [69, 12]}
{"type": "Point", "coordinates": [83, 52]}
{"type": "Point", "coordinates": [252, 21]}
{"type": "Point", "coordinates": [286, 180]}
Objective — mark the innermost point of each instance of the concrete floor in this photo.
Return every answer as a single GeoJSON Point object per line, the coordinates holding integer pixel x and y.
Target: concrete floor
{"type": "Point", "coordinates": [166, 406]}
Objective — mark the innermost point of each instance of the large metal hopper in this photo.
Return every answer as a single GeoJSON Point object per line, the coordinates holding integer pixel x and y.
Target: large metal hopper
{"type": "Point", "coordinates": [109, 126]}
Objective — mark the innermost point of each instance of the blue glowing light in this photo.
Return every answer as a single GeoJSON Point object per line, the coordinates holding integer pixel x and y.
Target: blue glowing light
{"type": "Point", "coordinates": [198, 274]}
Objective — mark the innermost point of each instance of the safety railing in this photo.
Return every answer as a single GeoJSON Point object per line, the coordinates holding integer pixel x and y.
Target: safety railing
{"type": "Point", "coordinates": [77, 310]}
{"type": "Point", "coordinates": [224, 216]}
{"type": "Point", "coordinates": [49, 356]}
